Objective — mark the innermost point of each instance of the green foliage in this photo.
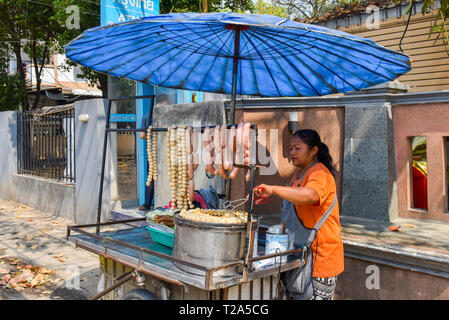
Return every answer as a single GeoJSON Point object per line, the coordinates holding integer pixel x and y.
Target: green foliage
{"type": "Point", "coordinates": [440, 25]}
{"type": "Point", "coordinates": [89, 17]}
{"type": "Point", "coordinates": [27, 29]}
{"type": "Point", "coordinates": [264, 7]}
{"type": "Point", "coordinates": [11, 89]}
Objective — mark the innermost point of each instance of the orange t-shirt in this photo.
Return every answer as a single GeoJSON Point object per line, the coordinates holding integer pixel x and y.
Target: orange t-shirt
{"type": "Point", "coordinates": [328, 261]}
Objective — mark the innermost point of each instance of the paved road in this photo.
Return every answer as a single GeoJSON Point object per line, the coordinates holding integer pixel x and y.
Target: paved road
{"type": "Point", "coordinates": [29, 237]}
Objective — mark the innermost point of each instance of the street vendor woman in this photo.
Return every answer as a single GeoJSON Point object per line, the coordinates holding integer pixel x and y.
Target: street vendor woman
{"type": "Point", "coordinates": [312, 191]}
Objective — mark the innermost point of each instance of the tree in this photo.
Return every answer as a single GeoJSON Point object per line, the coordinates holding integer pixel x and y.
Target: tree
{"type": "Point", "coordinates": [308, 9]}
{"type": "Point", "coordinates": [12, 89]}
{"type": "Point", "coordinates": [73, 18]}
{"type": "Point", "coordinates": [440, 24]}
{"type": "Point", "coordinates": [264, 7]}
{"type": "Point", "coordinates": [27, 28]}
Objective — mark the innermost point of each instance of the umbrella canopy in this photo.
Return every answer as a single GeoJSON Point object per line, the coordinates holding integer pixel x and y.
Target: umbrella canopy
{"type": "Point", "coordinates": [243, 54]}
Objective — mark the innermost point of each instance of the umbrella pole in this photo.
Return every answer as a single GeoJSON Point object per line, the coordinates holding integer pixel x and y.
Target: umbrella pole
{"type": "Point", "coordinates": [231, 119]}
{"type": "Point", "coordinates": [235, 66]}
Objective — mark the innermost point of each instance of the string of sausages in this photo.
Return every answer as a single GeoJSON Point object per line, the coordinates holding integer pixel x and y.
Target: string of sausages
{"type": "Point", "coordinates": [224, 148]}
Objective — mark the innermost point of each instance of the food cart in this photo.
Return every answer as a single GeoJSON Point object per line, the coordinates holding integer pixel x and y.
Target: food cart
{"type": "Point", "coordinates": [206, 261]}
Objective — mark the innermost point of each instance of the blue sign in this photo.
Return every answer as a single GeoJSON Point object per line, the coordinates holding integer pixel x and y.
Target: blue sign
{"type": "Point", "coordinates": [122, 117]}
{"type": "Point", "coordinates": [115, 11]}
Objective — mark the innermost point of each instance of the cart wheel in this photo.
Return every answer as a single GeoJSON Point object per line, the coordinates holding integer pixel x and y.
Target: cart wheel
{"type": "Point", "coordinates": [139, 294]}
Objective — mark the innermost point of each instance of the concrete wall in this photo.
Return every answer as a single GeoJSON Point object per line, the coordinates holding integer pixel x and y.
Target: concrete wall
{"type": "Point", "coordinates": [369, 163]}
{"type": "Point", "coordinates": [89, 148]}
{"type": "Point", "coordinates": [45, 195]}
{"type": "Point", "coordinates": [365, 280]}
{"type": "Point", "coordinates": [8, 158]}
{"type": "Point", "coordinates": [431, 121]}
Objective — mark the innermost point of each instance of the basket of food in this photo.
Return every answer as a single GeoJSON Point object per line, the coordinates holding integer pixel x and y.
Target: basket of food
{"type": "Point", "coordinates": [161, 226]}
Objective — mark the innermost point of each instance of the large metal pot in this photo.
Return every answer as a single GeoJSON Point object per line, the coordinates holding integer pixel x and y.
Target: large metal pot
{"type": "Point", "coordinates": [210, 245]}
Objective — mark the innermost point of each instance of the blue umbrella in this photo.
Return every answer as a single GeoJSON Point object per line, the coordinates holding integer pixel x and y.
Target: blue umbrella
{"type": "Point", "coordinates": [234, 53]}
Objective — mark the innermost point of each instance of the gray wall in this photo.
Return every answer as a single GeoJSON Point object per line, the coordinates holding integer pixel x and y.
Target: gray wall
{"type": "Point", "coordinates": [45, 195]}
{"type": "Point", "coordinates": [369, 174]}
{"type": "Point", "coordinates": [8, 156]}
{"type": "Point", "coordinates": [88, 155]}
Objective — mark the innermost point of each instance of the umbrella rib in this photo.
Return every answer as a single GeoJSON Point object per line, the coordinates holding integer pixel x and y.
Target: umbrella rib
{"type": "Point", "coordinates": [268, 69]}
{"type": "Point", "coordinates": [212, 64]}
{"type": "Point", "coordinates": [194, 32]}
{"type": "Point", "coordinates": [116, 42]}
{"type": "Point", "coordinates": [336, 55]}
{"type": "Point", "coordinates": [310, 57]}
{"type": "Point", "coordinates": [177, 68]}
{"type": "Point", "coordinates": [189, 41]}
{"type": "Point", "coordinates": [249, 53]}
{"type": "Point", "coordinates": [175, 36]}
{"type": "Point", "coordinates": [105, 39]}
{"type": "Point", "coordinates": [286, 75]}
{"type": "Point", "coordinates": [120, 54]}
{"type": "Point", "coordinates": [137, 56]}
{"type": "Point", "coordinates": [301, 74]}
{"type": "Point", "coordinates": [152, 73]}
{"type": "Point", "coordinates": [219, 38]}
{"type": "Point", "coordinates": [254, 75]}
{"type": "Point", "coordinates": [351, 48]}
{"type": "Point", "coordinates": [147, 61]}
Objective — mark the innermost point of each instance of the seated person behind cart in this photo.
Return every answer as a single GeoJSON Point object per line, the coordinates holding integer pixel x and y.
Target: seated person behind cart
{"type": "Point", "coordinates": [310, 201]}
{"type": "Point", "coordinates": [161, 100]}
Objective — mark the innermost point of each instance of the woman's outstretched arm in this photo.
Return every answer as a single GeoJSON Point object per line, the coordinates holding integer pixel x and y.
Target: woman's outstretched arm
{"type": "Point", "coordinates": [297, 195]}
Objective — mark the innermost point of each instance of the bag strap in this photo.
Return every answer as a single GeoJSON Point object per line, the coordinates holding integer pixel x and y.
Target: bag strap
{"type": "Point", "coordinates": [321, 221]}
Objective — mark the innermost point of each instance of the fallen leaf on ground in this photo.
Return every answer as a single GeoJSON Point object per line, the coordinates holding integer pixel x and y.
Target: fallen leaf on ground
{"type": "Point", "coordinates": [25, 276]}
{"type": "Point", "coordinates": [46, 271]}
{"type": "Point", "coordinates": [30, 220]}
{"type": "Point", "coordinates": [58, 256]}
{"type": "Point", "coordinates": [394, 228]}
{"type": "Point", "coordinates": [43, 230]}
{"type": "Point", "coordinates": [33, 247]}
{"type": "Point", "coordinates": [3, 270]}
{"type": "Point", "coordinates": [6, 278]}
{"type": "Point", "coordinates": [61, 260]}
{"type": "Point", "coordinates": [410, 225]}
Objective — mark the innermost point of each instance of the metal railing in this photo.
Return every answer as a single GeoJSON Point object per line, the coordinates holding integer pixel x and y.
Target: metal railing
{"type": "Point", "coordinates": [46, 144]}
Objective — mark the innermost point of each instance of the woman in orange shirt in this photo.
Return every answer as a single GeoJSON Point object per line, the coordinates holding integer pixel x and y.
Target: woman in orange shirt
{"type": "Point", "coordinates": [311, 194]}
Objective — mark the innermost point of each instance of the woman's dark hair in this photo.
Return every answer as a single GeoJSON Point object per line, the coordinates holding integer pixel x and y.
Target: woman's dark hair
{"type": "Point", "coordinates": [311, 138]}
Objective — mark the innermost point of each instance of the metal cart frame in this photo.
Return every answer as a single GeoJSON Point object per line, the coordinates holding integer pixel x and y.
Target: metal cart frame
{"type": "Point", "coordinates": [246, 263]}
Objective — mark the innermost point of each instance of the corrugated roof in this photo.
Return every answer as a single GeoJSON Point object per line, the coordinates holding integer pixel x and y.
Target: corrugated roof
{"type": "Point", "coordinates": [352, 9]}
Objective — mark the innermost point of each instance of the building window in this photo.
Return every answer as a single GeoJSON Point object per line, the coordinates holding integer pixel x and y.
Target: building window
{"type": "Point", "coordinates": [419, 173]}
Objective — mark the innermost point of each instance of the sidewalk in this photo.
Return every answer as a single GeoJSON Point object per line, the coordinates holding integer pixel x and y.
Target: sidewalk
{"type": "Point", "coordinates": [34, 240]}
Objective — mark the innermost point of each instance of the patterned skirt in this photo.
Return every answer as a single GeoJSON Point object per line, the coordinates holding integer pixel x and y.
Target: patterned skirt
{"type": "Point", "coordinates": [323, 288]}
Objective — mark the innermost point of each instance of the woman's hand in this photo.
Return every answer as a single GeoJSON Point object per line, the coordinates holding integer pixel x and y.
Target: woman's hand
{"type": "Point", "coordinates": [262, 191]}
